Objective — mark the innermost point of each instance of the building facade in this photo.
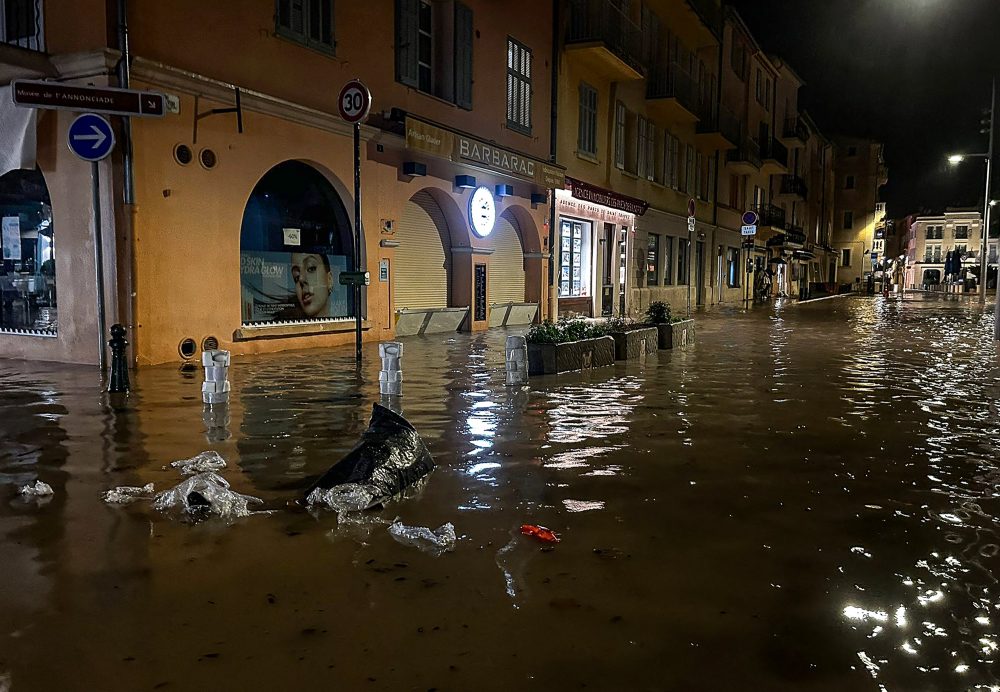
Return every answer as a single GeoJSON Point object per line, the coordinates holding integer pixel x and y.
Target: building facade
{"type": "Point", "coordinates": [938, 240]}
{"type": "Point", "coordinates": [242, 222]}
{"type": "Point", "coordinates": [860, 175]}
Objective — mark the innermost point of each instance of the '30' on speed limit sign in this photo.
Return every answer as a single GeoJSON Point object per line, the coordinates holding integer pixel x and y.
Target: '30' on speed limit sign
{"type": "Point", "coordinates": [355, 101]}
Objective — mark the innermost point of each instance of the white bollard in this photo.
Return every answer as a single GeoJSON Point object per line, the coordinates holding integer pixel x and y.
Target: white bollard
{"type": "Point", "coordinates": [517, 361]}
{"type": "Point", "coordinates": [216, 388]}
{"type": "Point", "coordinates": [390, 378]}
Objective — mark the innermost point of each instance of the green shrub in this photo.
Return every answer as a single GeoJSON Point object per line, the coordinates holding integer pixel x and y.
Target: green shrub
{"type": "Point", "coordinates": [619, 324]}
{"type": "Point", "coordinates": [563, 331]}
{"type": "Point", "coordinates": [658, 312]}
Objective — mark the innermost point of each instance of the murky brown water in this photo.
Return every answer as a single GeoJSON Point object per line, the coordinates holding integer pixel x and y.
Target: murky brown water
{"type": "Point", "coordinates": [807, 500]}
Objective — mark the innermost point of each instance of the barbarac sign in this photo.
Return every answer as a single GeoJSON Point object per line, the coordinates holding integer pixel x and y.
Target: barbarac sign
{"type": "Point", "coordinates": [598, 195]}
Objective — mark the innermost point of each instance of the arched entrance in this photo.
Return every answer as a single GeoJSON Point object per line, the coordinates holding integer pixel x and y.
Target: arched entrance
{"type": "Point", "coordinates": [423, 258]}
{"type": "Point", "coordinates": [27, 259]}
{"type": "Point", "coordinates": [295, 240]}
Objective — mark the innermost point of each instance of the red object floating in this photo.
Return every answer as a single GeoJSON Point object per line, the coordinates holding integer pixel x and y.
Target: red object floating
{"type": "Point", "coordinates": [540, 532]}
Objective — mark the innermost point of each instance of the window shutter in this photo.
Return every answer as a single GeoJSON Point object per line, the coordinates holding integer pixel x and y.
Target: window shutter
{"type": "Point", "coordinates": [463, 56]}
{"type": "Point", "coordinates": [407, 28]}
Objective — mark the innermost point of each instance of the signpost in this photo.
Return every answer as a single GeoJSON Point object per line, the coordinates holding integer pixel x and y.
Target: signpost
{"type": "Point", "coordinates": [354, 103]}
{"type": "Point", "coordinates": [691, 226]}
{"type": "Point", "coordinates": [56, 96]}
{"type": "Point", "coordinates": [748, 230]}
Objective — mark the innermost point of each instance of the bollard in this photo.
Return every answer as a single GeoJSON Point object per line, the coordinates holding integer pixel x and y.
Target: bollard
{"type": "Point", "coordinates": [390, 378]}
{"type": "Point", "coordinates": [119, 364]}
{"type": "Point", "coordinates": [215, 389]}
{"type": "Point", "coordinates": [517, 361]}
{"type": "Point", "coordinates": [216, 420]}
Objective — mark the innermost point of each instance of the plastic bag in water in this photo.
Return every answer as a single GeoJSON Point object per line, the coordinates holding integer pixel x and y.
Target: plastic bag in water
{"type": "Point", "coordinates": [390, 458]}
{"type": "Point", "coordinates": [436, 542]}
{"type": "Point", "coordinates": [349, 497]}
{"type": "Point", "coordinates": [124, 494]}
{"type": "Point", "coordinates": [39, 489]}
{"type": "Point", "coordinates": [206, 461]}
{"type": "Point", "coordinates": [207, 493]}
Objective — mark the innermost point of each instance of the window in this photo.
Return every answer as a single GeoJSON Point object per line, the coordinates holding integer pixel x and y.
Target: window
{"type": "Point", "coordinates": [424, 33]}
{"type": "Point", "coordinates": [849, 182]}
{"type": "Point", "coordinates": [309, 22]}
{"type": "Point", "coordinates": [734, 191]}
{"type": "Point", "coordinates": [518, 87]}
{"type": "Point", "coordinates": [848, 219]}
{"type": "Point", "coordinates": [587, 140]}
{"type": "Point", "coordinates": [961, 232]}
{"type": "Point", "coordinates": [668, 260]}
{"type": "Point", "coordinates": [653, 260]}
{"type": "Point", "coordinates": [845, 258]}
{"type": "Point", "coordinates": [689, 180]}
{"type": "Point", "coordinates": [620, 134]}
{"type": "Point", "coordinates": [758, 197]}
{"type": "Point", "coordinates": [733, 267]}
{"type": "Point", "coordinates": [852, 150]}
{"type": "Point", "coordinates": [962, 250]}
{"type": "Point", "coordinates": [28, 259]}
{"type": "Point", "coordinates": [763, 90]}
{"type": "Point", "coordinates": [682, 260]}
{"type": "Point", "coordinates": [738, 60]}
{"type": "Point", "coordinates": [650, 148]}
{"type": "Point", "coordinates": [672, 150]}
{"type": "Point", "coordinates": [642, 147]}
{"type": "Point", "coordinates": [574, 258]}
{"type": "Point", "coordinates": [21, 24]}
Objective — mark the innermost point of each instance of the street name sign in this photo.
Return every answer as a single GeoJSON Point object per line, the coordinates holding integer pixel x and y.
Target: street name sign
{"type": "Point", "coordinates": [355, 279]}
{"type": "Point", "coordinates": [748, 230]}
{"type": "Point", "coordinates": [90, 137]}
{"type": "Point", "coordinates": [29, 93]}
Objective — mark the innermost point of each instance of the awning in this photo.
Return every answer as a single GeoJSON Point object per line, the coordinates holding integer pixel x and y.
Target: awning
{"type": "Point", "coordinates": [17, 134]}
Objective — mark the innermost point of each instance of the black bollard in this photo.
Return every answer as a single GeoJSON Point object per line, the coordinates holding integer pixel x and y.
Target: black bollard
{"type": "Point", "coordinates": [119, 364]}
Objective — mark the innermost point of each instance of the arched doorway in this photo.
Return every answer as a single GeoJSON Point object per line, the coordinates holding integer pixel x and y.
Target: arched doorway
{"type": "Point", "coordinates": [506, 277]}
{"type": "Point", "coordinates": [423, 258]}
{"type": "Point", "coordinates": [295, 240]}
{"type": "Point", "coordinates": [27, 254]}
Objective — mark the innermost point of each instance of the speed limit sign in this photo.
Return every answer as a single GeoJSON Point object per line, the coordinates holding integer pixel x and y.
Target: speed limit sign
{"type": "Point", "coordinates": [355, 101]}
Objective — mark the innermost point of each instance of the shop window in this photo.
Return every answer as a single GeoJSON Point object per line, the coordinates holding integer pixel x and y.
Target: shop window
{"type": "Point", "coordinates": [295, 241]}
{"type": "Point", "coordinates": [668, 260]}
{"type": "Point", "coordinates": [574, 258]}
{"type": "Point", "coordinates": [309, 22]}
{"type": "Point", "coordinates": [587, 138]}
{"type": "Point", "coordinates": [653, 260]}
{"type": "Point", "coordinates": [27, 248]}
{"type": "Point", "coordinates": [683, 250]}
{"type": "Point", "coordinates": [733, 267]}
{"type": "Point", "coordinates": [518, 87]}
{"type": "Point", "coordinates": [434, 49]}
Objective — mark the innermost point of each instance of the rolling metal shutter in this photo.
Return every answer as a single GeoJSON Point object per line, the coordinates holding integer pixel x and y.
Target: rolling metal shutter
{"type": "Point", "coordinates": [506, 275]}
{"type": "Point", "coordinates": [422, 261]}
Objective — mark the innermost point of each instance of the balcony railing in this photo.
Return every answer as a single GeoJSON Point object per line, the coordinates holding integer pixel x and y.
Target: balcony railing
{"type": "Point", "coordinates": [795, 234]}
{"type": "Point", "coordinates": [21, 24]}
{"type": "Point", "coordinates": [770, 215]}
{"type": "Point", "coordinates": [796, 127]}
{"type": "Point", "coordinates": [794, 185]}
{"type": "Point", "coordinates": [671, 81]}
{"type": "Point", "coordinates": [600, 21]}
{"type": "Point", "coordinates": [722, 121]}
{"type": "Point", "coordinates": [773, 149]}
{"type": "Point", "coordinates": [748, 151]}
{"type": "Point", "coordinates": [710, 12]}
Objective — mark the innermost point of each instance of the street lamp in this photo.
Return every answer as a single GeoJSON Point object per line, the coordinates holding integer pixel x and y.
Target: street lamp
{"type": "Point", "coordinates": [954, 160]}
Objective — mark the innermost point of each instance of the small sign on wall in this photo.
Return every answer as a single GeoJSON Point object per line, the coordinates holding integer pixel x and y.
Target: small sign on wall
{"type": "Point", "coordinates": [383, 270]}
{"type": "Point", "coordinates": [293, 236]}
{"type": "Point", "coordinates": [10, 239]}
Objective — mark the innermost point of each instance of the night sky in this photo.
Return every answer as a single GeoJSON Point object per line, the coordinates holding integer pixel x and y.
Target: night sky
{"type": "Point", "coordinates": [914, 74]}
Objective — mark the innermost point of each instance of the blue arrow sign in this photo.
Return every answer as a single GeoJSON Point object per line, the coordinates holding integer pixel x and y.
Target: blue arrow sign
{"type": "Point", "coordinates": [90, 137]}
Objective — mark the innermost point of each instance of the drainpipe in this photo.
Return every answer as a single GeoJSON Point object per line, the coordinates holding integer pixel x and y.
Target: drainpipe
{"type": "Point", "coordinates": [128, 187]}
{"type": "Point", "coordinates": [715, 183]}
{"type": "Point", "coordinates": [553, 293]}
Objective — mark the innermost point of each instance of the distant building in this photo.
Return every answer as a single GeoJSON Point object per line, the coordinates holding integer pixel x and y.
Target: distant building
{"type": "Point", "coordinates": [860, 173]}
{"type": "Point", "coordinates": [935, 236]}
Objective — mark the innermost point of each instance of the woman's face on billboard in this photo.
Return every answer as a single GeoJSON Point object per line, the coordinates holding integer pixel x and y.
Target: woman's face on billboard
{"type": "Point", "coordinates": [313, 283]}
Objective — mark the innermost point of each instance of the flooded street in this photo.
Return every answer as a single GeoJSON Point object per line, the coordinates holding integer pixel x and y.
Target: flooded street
{"type": "Point", "coordinates": [805, 500]}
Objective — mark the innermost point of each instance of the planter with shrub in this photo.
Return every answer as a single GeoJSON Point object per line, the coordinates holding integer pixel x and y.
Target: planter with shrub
{"type": "Point", "coordinates": [632, 339]}
{"type": "Point", "coordinates": [671, 331]}
{"type": "Point", "coordinates": [568, 345]}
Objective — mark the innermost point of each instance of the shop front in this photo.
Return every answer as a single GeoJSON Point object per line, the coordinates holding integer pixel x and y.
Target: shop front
{"type": "Point", "coordinates": [594, 249]}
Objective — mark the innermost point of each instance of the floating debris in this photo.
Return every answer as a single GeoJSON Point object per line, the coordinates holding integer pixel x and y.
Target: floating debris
{"type": "Point", "coordinates": [206, 461]}
{"type": "Point", "coordinates": [39, 489]}
{"type": "Point", "coordinates": [440, 540]}
{"type": "Point", "coordinates": [126, 494]}
{"type": "Point", "coordinates": [206, 493]}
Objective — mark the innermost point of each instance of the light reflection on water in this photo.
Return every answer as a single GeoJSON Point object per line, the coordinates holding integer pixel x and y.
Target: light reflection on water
{"type": "Point", "coordinates": [811, 494]}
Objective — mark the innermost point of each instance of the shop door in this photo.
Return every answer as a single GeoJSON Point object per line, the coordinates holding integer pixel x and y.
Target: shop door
{"type": "Point", "coordinates": [607, 270]}
{"type": "Point", "coordinates": [699, 270]}
{"type": "Point", "coordinates": [422, 262]}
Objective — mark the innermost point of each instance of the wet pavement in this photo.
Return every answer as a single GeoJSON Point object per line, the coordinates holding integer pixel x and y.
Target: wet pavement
{"type": "Point", "coordinates": [806, 500]}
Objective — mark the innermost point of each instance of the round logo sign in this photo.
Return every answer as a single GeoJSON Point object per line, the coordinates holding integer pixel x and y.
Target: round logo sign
{"type": "Point", "coordinates": [91, 137]}
{"type": "Point", "coordinates": [482, 211]}
{"type": "Point", "coordinates": [750, 218]}
{"type": "Point", "coordinates": [355, 101]}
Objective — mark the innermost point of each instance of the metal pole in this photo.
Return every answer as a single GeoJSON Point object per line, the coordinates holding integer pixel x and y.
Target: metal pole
{"type": "Point", "coordinates": [357, 240]}
{"type": "Point", "coordinates": [95, 179]}
{"type": "Point", "coordinates": [986, 204]}
{"type": "Point", "coordinates": [688, 270]}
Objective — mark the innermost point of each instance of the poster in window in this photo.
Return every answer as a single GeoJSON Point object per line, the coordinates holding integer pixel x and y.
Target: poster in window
{"type": "Point", "coordinates": [282, 286]}
{"type": "Point", "coordinates": [10, 238]}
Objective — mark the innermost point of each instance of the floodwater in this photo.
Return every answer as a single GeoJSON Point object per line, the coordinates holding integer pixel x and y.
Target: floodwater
{"type": "Point", "coordinates": [805, 500]}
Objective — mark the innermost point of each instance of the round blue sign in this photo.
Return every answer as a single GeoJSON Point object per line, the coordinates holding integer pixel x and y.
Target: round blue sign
{"type": "Point", "coordinates": [90, 137]}
{"type": "Point", "coordinates": [750, 218]}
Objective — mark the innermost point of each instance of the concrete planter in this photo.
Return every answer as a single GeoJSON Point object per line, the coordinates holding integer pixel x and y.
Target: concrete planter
{"type": "Point", "coordinates": [635, 343]}
{"type": "Point", "coordinates": [551, 359]}
{"type": "Point", "coordinates": [676, 335]}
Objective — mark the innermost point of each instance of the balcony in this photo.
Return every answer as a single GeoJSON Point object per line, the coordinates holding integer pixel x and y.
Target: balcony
{"type": "Point", "coordinates": [22, 41]}
{"type": "Point", "coordinates": [604, 40]}
{"type": "Point", "coordinates": [717, 130]}
{"type": "Point", "coordinates": [793, 236]}
{"type": "Point", "coordinates": [744, 159]}
{"type": "Point", "coordinates": [710, 13]}
{"type": "Point", "coordinates": [795, 134]}
{"type": "Point", "coordinates": [793, 188]}
{"type": "Point", "coordinates": [671, 94]}
{"type": "Point", "coordinates": [770, 216]}
{"type": "Point", "coordinates": [774, 157]}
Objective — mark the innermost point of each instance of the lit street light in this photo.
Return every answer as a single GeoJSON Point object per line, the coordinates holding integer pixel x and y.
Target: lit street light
{"type": "Point", "coordinates": [956, 159]}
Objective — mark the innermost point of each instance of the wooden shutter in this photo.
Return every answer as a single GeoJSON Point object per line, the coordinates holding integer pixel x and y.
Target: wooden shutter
{"type": "Point", "coordinates": [407, 31]}
{"type": "Point", "coordinates": [506, 275]}
{"type": "Point", "coordinates": [422, 259]}
{"type": "Point", "coordinates": [463, 56]}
